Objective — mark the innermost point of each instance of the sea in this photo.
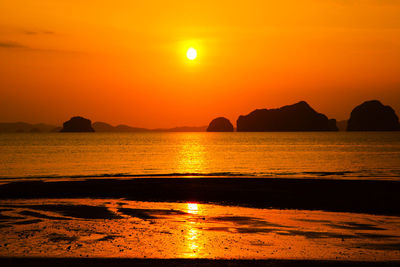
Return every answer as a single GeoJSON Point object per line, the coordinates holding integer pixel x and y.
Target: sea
{"type": "Point", "coordinates": [308, 155]}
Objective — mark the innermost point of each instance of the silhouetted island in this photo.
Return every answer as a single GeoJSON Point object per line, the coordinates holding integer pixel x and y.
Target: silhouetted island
{"type": "Point", "coordinates": [77, 124]}
{"type": "Point", "coordinates": [373, 116]}
{"type": "Point", "coordinates": [296, 117]}
{"type": "Point", "coordinates": [220, 124]}
{"type": "Point", "coordinates": [105, 127]}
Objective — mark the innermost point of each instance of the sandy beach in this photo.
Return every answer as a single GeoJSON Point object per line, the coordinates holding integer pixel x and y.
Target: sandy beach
{"type": "Point", "coordinates": [118, 228]}
{"type": "Point", "coordinates": [180, 262]}
{"type": "Point", "coordinates": [200, 222]}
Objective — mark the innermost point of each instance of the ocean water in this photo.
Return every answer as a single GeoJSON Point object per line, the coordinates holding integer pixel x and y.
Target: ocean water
{"type": "Point", "coordinates": [333, 155]}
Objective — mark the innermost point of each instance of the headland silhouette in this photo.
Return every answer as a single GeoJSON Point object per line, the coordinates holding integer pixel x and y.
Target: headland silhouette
{"type": "Point", "coordinates": [369, 116]}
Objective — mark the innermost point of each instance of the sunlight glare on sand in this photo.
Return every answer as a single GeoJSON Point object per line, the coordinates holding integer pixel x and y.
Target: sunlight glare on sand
{"type": "Point", "coordinates": [193, 208]}
{"type": "Point", "coordinates": [192, 241]}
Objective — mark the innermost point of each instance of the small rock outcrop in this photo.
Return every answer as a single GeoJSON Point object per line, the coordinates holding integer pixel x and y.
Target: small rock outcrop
{"type": "Point", "coordinates": [373, 116]}
{"type": "Point", "coordinates": [220, 124]}
{"type": "Point", "coordinates": [296, 117]}
{"type": "Point", "coordinates": [77, 124]}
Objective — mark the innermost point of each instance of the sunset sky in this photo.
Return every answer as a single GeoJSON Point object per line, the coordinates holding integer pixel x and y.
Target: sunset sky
{"type": "Point", "coordinates": [124, 61]}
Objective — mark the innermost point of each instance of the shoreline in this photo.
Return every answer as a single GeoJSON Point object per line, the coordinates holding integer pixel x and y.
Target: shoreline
{"type": "Point", "coordinates": [358, 196]}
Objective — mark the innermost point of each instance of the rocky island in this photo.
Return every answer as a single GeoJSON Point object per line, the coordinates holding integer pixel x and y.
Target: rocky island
{"type": "Point", "coordinates": [77, 124]}
{"type": "Point", "coordinates": [220, 124]}
{"type": "Point", "coordinates": [296, 117]}
{"type": "Point", "coordinates": [373, 116]}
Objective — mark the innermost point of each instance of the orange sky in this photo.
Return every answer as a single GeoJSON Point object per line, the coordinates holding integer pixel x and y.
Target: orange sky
{"type": "Point", "coordinates": [124, 61]}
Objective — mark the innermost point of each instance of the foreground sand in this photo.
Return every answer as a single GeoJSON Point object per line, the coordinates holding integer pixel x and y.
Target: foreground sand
{"type": "Point", "coordinates": [100, 219]}
{"type": "Point", "coordinates": [60, 262]}
{"type": "Point", "coordinates": [131, 229]}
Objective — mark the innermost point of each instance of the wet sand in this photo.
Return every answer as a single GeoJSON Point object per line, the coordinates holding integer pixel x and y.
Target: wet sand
{"type": "Point", "coordinates": [131, 229]}
{"type": "Point", "coordinates": [361, 196]}
{"type": "Point", "coordinates": [146, 221]}
{"type": "Point", "coordinates": [60, 262]}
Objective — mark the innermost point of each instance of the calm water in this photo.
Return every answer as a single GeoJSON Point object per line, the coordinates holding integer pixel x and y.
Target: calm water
{"type": "Point", "coordinates": [338, 155]}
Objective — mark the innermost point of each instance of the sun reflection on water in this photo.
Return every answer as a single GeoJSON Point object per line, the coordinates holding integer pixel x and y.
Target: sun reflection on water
{"type": "Point", "coordinates": [191, 160]}
{"type": "Point", "coordinates": [191, 156]}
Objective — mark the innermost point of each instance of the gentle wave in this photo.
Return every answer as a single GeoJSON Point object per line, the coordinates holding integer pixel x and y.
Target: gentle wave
{"type": "Point", "coordinates": [320, 174]}
{"type": "Point", "coordinates": [127, 175]}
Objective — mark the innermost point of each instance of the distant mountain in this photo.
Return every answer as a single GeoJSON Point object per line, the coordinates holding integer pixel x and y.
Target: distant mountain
{"type": "Point", "coordinates": [15, 127]}
{"type": "Point", "coordinates": [102, 127]}
{"type": "Point", "coordinates": [126, 128]}
{"type": "Point", "coordinates": [105, 127]}
{"type": "Point", "coordinates": [296, 117]}
{"type": "Point", "coordinates": [182, 129]}
{"type": "Point", "coordinates": [342, 125]}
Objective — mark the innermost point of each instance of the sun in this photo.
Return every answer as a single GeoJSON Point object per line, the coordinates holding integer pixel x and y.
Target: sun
{"type": "Point", "coordinates": [191, 53]}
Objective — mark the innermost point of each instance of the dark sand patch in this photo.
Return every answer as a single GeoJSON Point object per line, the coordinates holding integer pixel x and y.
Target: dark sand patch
{"type": "Point", "coordinates": [329, 173]}
{"type": "Point", "coordinates": [315, 235]}
{"type": "Point", "coordinates": [376, 236]}
{"type": "Point", "coordinates": [218, 229]}
{"type": "Point", "coordinates": [147, 214]}
{"type": "Point", "coordinates": [61, 238]}
{"type": "Point", "coordinates": [254, 230]}
{"type": "Point", "coordinates": [28, 233]}
{"type": "Point", "coordinates": [108, 238]}
{"type": "Point", "coordinates": [313, 220]}
{"type": "Point", "coordinates": [386, 246]}
{"type": "Point", "coordinates": [27, 222]}
{"type": "Point", "coordinates": [356, 226]}
{"type": "Point", "coordinates": [244, 220]}
{"type": "Point", "coordinates": [40, 215]}
{"type": "Point", "coordinates": [259, 243]}
{"type": "Point", "coordinates": [76, 211]}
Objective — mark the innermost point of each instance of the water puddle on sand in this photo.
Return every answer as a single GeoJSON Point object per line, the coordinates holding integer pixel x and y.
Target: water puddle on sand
{"type": "Point", "coordinates": [120, 228]}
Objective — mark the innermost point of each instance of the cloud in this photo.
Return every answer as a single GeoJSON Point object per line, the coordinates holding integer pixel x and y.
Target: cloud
{"type": "Point", "coordinates": [11, 45]}
{"type": "Point", "coordinates": [21, 47]}
{"type": "Point", "coordinates": [28, 32]}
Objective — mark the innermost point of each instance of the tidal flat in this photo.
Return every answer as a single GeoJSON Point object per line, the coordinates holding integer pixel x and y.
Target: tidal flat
{"type": "Point", "coordinates": [120, 228]}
